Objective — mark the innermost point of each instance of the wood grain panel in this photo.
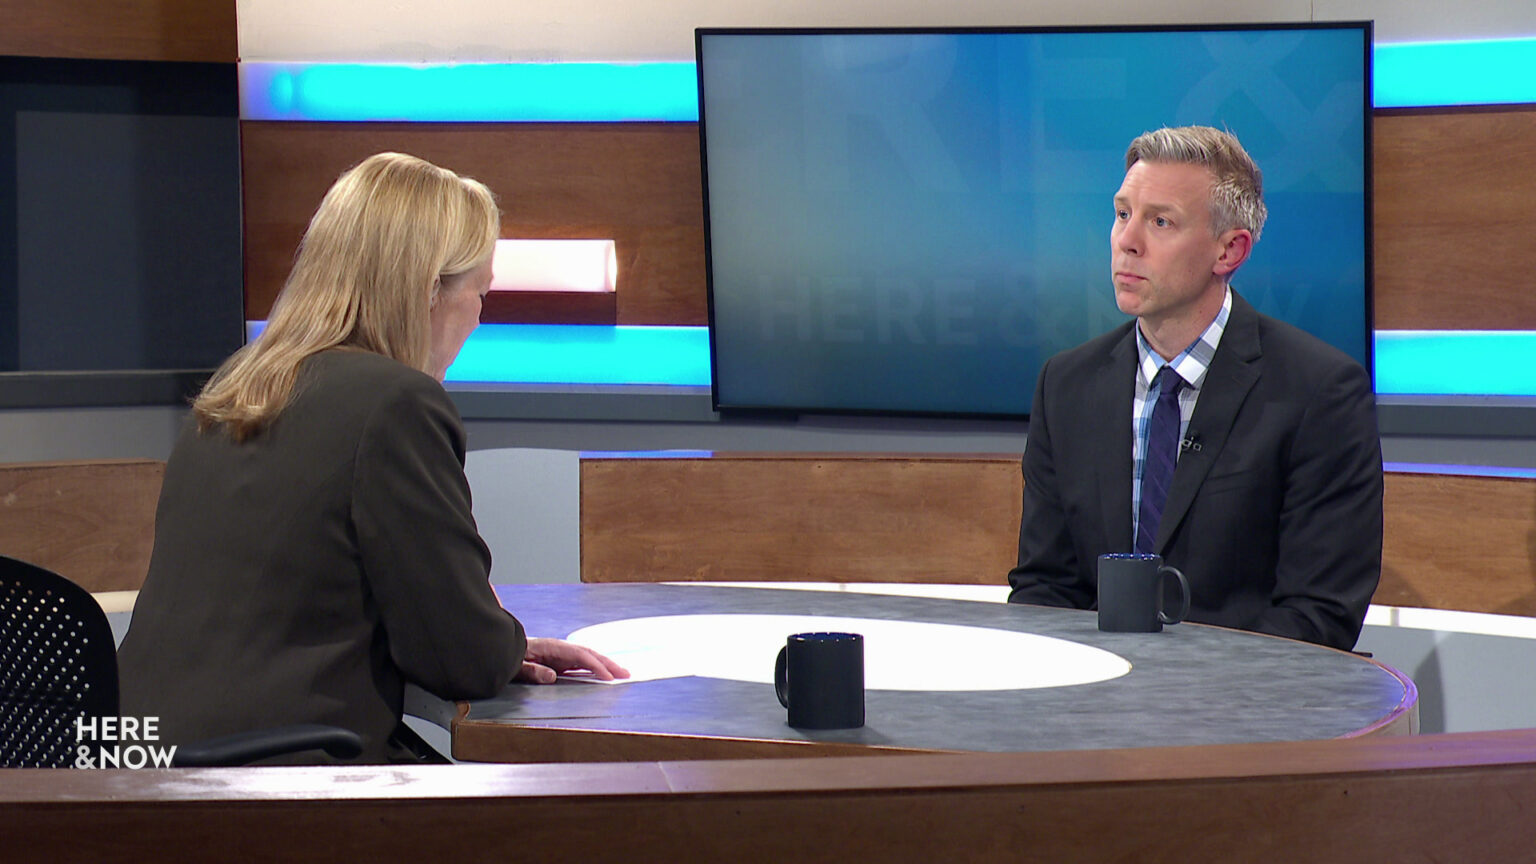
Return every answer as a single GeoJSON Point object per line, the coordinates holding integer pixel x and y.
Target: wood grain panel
{"type": "Point", "coordinates": [92, 522]}
{"type": "Point", "coordinates": [1451, 542]}
{"type": "Point", "coordinates": [1466, 543]}
{"type": "Point", "coordinates": [550, 307]}
{"type": "Point", "coordinates": [834, 518]}
{"type": "Point", "coordinates": [1455, 200]}
{"type": "Point", "coordinates": [1433, 798]}
{"type": "Point", "coordinates": [202, 30]}
{"type": "Point", "coordinates": [636, 183]}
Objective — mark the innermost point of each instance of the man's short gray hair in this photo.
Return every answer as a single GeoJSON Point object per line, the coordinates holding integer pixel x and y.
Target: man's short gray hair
{"type": "Point", "coordinates": [1237, 196]}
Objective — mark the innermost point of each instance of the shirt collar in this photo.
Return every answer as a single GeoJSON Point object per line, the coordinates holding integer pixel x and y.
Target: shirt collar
{"type": "Point", "coordinates": [1193, 362]}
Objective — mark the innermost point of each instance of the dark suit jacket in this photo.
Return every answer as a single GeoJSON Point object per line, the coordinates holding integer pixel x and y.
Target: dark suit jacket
{"type": "Point", "coordinates": [306, 574]}
{"type": "Point", "coordinates": [1275, 519]}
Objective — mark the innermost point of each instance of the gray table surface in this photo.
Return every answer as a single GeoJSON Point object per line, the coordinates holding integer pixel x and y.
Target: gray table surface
{"type": "Point", "coordinates": [1190, 684]}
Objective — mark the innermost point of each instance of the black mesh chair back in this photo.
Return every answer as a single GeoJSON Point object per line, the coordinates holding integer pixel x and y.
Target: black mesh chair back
{"type": "Point", "coordinates": [58, 666]}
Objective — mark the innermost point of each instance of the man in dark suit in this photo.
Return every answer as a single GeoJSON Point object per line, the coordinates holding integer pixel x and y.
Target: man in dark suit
{"type": "Point", "coordinates": [1261, 480]}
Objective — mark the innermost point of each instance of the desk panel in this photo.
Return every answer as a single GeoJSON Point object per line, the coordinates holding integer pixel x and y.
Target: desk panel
{"type": "Point", "coordinates": [1422, 798]}
{"type": "Point", "coordinates": [1190, 684]}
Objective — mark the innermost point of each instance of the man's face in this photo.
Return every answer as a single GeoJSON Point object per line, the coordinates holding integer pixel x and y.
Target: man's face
{"type": "Point", "coordinates": [1163, 256]}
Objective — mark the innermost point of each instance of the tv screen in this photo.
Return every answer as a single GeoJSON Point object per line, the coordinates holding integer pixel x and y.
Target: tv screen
{"type": "Point", "coordinates": [913, 221]}
{"type": "Point", "coordinates": [120, 226]}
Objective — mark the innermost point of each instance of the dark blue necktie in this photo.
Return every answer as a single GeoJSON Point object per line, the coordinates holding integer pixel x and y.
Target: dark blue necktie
{"type": "Point", "coordinates": [1162, 453]}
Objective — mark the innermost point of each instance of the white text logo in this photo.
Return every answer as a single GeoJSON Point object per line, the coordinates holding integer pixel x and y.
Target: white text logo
{"type": "Point", "coordinates": [120, 742]}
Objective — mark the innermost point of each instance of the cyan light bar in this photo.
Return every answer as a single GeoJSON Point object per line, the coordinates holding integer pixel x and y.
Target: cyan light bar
{"type": "Point", "coordinates": [469, 92]}
{"type": "Point", "coordinates": [583, 354]}
{"type": "Point", "coordinates": [1486, 72]}
{"type": "Point", "coordinates": [647, 454]}
{"type": "Point", "coordinates": [1456, 362]}
{"type": "Point", "coordinates": [1408, 362]}
{"type": "Point", "coordinates": [1407, 75]}
{"type": "Point", "coordinates": [1459, 470]}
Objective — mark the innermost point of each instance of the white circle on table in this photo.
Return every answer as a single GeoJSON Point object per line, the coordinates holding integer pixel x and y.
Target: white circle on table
{"type": "Point", "coordinates": [898, 655]}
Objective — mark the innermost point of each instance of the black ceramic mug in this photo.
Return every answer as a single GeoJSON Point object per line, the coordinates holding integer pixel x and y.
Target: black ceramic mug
{"type": "Point", "coordinates": [819, 677]}
{"type": "Point", "coordinates": [1131, 592]}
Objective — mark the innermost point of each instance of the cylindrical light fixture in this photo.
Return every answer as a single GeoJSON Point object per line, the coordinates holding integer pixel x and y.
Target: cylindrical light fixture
{"type": "Point", "coordinates": [555, 265]}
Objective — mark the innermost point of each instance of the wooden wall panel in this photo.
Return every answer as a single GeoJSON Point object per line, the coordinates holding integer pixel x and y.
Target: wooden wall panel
{"type": "Point", "coordinates": [202, 30]}
{"type": "Point", "coordinates": [1455, 201]}
{"type": "Point", "coordinates": [1460, 543]}
{"type": "Point", "coordinates": [835, 518]}
{"type": "Point", "coordinates": [636, 183]}
{"type": "Point", "coordinates": [92, 522]}
{"type": "Point", "coordinates": [1451, 542]}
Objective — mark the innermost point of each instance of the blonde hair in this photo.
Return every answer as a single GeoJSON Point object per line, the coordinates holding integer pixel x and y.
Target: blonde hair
{"type": "Point", "coordinates": [365, 275]}
{"type": "Point", "coordinates": [1237, 196]}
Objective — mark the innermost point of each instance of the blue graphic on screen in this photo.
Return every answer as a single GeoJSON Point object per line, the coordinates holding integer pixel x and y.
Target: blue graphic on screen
{"type": "Point", "coordinates": [914, 222]}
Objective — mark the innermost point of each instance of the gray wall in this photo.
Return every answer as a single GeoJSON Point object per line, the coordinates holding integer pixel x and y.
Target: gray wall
{"type": "Point", "coordinates": [87, 433]}
{"type": "Point", "coordinates": [1468, 682]}
{"type": "Point", "coordinates": [149, 432]}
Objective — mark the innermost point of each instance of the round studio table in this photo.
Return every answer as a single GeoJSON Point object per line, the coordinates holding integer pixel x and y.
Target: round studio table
{"type": "Point", "coordinates": [1189, 684]}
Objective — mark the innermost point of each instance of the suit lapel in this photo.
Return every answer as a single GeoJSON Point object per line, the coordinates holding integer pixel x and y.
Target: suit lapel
{"type": "Point", "coordinates": [1233, 372]}
{"type": "Point", "coordinates": [1115, 386]}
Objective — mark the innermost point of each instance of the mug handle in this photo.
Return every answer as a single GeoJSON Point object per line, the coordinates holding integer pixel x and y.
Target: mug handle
{"type": "Point", "coordinates": [1162, 615]}
{"type": "Point", "coordinates": [781, 676]}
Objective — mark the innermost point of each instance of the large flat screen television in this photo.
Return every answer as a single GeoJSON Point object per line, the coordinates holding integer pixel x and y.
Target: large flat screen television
{"type": "Point", "coordinates": [912, 221]}
{"type": "Point", "coordinates": [121, 276]}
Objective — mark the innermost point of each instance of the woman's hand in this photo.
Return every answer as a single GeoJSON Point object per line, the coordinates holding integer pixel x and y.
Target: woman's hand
{"type": "Point", "coordinates": [547, 658]}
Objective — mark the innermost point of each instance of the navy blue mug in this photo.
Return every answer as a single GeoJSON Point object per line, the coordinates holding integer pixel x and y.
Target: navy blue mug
{"type": "Point", "coordinates": [1132, 592]}
{"type": "Point", "coordinates": [819, 677]}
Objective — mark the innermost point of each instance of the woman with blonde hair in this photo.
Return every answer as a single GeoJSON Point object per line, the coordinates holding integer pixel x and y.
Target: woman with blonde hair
{"type": "Point", "coordinates": [314, 545]}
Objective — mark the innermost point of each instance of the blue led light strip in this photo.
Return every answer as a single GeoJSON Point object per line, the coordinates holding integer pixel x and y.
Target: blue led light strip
{"type": "Point", "coordinates": [1459, 470]}
{"type": "Point", "coordinates": [1410, 74]}
{"type": "Point", "coordinates": [576, 354]}
{"type": "Point", "coordinates": [469, 92]}
{"type": "Point", "coordinates": [1456, 362]}
{"type": "Point", "coordinates": [583, 354]}
{"type": "Point", "coordinates": [1408, 362]}
{"type": "Point", "coordinates": [1423, 74]}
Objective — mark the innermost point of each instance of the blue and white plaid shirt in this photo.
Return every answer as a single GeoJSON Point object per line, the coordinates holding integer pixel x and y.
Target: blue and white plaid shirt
{"type": "Point", "coordinates": [1191, 364]}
